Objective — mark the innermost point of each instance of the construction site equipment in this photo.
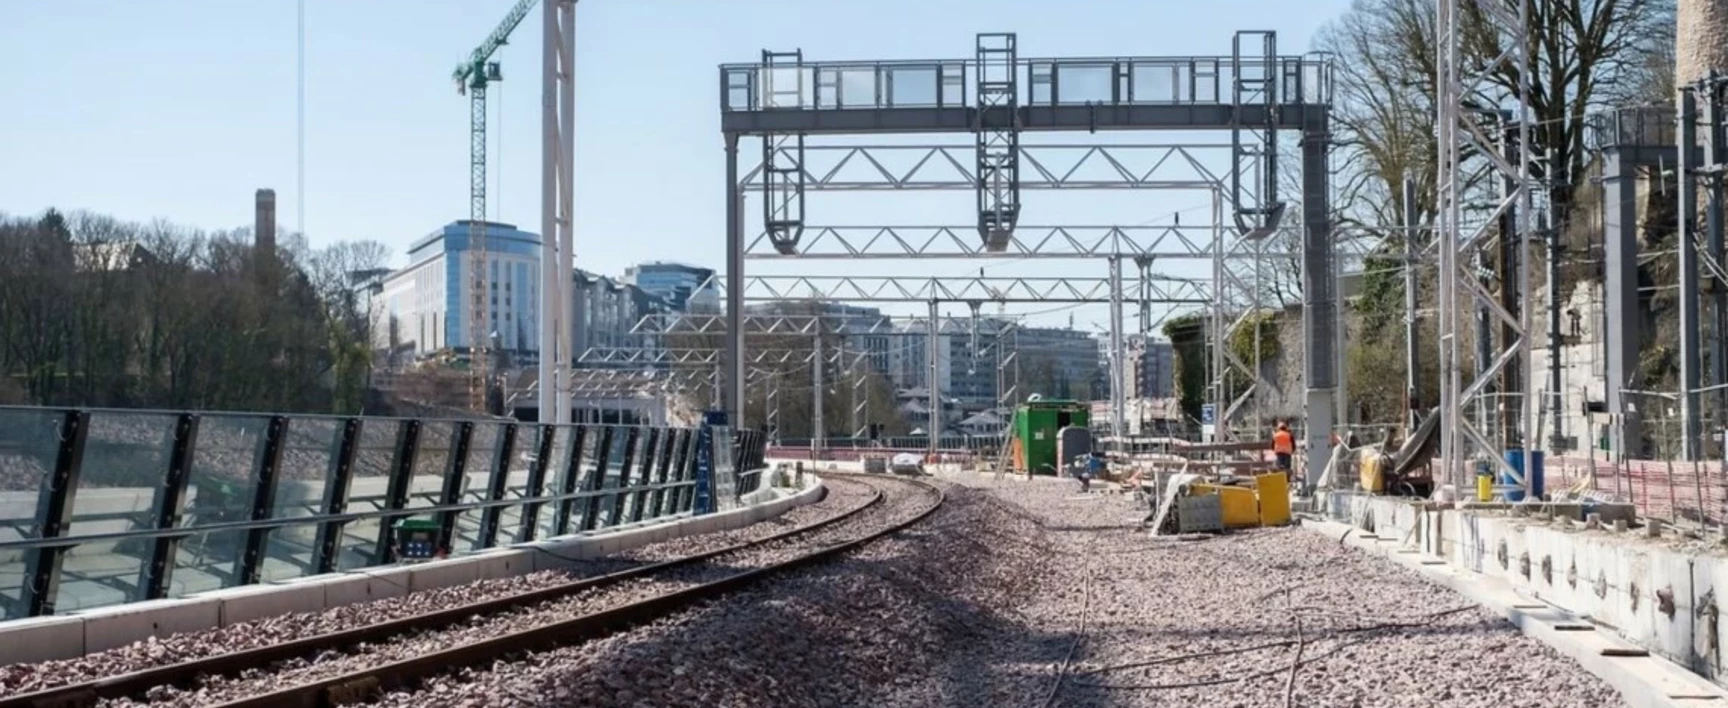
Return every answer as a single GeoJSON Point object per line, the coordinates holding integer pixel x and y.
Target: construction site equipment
{"type": "Point", "coordinates": [471, 77]}
{"type": "Point", "coordinates": [1191, 503]}
{"type": "Point", "coordinates": [417, 540]}
{"type": "Point", "coordinates": [1037, 425]}
{"type": "Point", "coordinates": [1074, 442]}
{"type": "Point", "coordinates": [1371, 468]}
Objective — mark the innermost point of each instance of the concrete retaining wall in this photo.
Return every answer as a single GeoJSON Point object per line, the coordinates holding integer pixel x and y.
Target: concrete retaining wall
{"type": "Point", "coordinates": [1662, 594]}
{"type": "Point", "coordinates": [73, 635]}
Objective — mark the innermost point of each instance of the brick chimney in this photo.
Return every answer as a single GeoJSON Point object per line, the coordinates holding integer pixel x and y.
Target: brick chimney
{"type": "Point", "coordinates": [264, 222]}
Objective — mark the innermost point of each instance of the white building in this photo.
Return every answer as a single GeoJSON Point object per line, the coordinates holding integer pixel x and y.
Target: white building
{"type": "Point", "coordinates": [426, 304]}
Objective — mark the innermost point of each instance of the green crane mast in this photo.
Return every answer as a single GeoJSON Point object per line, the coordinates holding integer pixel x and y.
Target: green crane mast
{"type": "Point", "coordinates": [472, 76]}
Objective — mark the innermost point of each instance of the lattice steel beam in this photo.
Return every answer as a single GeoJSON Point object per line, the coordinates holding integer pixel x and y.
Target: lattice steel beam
{"type": "Point", "coordinates": [1165, 241]}
{"type": "Point", "coordinates": [929, 167]}
{"type": "Point", "coordinates": [1166, 289]}
{"type": "Point", "coordinates": [883, 326]}
{"type": "Point", "coordinates": [1473, 120]}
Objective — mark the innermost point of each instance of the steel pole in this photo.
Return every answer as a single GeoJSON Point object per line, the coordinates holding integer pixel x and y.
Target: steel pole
{"type": "Point", "coordinates": [1118, 392]}
{"type": "Point", "coordinates": [1556, 401]}
{"type": "Point", "coordinates": [1412, 355]}
{"type": "Point", "coordinates": [934, 352]}
{"type": "Point", "coordinates": [734, 404]}
{"type": "Point", "coordinates": [1714, 138]}
{"type": "Point", "coordinates": [817, 427]}
{"type": "Point", "coordinates": [550, 310]}
{"type": "Point", "coordinates": [1690, 322]}
{"type": "Point", "coordinates": [566, 206]}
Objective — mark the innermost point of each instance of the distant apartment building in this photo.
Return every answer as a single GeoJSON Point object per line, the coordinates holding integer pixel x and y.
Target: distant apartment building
{"type": "Point", "coordinates": [1152, 369]}
{"type": "Point", "coordinates": [684, 287]}
{"type": "Point", "coordinates": [606, 314]}
{"type": "Point", "coordinates": [426, 304]}
{"type": "Point", "coordinates": [863, 331]}
{"type": "Point", "coordinates": [1054, 362]}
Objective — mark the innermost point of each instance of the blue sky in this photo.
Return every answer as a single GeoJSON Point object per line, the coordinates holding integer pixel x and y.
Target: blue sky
{"type": "Point", "coordinates": [179, 109]}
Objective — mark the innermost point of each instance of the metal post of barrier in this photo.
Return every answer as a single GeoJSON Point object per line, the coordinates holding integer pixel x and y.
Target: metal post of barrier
{"type": "Point", "coordinates": [170, 504]}
{"type": "Point", "coordinates": [327, 548]}
{"type": "Point", "coordinates": [497, 485]}
{"type": "Point", "coordinates": [596, 478]}
{"type": "Point", "coordinates": [396, 491]}
{"type": "Point", "coordinates": [54, 516]}
{"type": "Point", "coordinates": [545, 437]}
{"type": "Point", "coordinates": [455, 477]}
{"type": "Point", "coordinates": [249, 566]}
{"type": "Point", "coordinates": [570, 478]}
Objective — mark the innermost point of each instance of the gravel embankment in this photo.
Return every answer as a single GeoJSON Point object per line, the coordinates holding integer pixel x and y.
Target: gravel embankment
{"type": "Point", "coordinates": [1013, 585]}
{"type": "Point", "coordinates": [842, 495]}
{"type": "Point", "coordinates": [331, 664]}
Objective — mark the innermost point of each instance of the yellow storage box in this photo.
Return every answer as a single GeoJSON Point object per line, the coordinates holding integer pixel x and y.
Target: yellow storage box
{"type": "Point", "coordinates": [1369, 463]}
{"type": "Point", "coordinates": [1240, 509]}
{"type": "Point", "coordinates": [1274, 491]}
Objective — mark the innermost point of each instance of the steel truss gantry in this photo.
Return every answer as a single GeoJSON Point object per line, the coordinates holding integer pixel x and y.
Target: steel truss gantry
{"type": "Point", "coordinates": [1467, 135]}
{"type": "Point", "coordinates": [1154, 288]}
{"type": "Point", "coordinates": [997, 97]}
{"type": "Point", "coordinates": [816, 327]}
{"type": "Point", "coordinates": [943, 167]}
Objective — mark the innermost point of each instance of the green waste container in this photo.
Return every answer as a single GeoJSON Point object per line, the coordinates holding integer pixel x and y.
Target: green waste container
{"type": "Point", "coordinates": [416, 540]}
{"type": "Point", "coordinates": [1036, 426]}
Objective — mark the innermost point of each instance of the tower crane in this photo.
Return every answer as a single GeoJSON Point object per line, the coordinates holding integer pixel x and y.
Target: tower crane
{"type": "Point", "coordinates": [471, 77]}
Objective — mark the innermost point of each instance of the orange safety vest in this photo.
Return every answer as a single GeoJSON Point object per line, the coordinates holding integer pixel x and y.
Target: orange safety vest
{"type": "Point", "coordinates": [1283, 442]}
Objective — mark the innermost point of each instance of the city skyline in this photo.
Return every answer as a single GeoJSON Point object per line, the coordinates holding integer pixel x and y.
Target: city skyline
{"type": "Point", "coordinates": [386, 135]}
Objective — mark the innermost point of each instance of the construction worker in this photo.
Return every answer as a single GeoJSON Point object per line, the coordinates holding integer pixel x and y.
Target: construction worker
{"type": "Point", "coordinates": [1093, 467]}
{"type": "Point", "coordinates": [1283, 445]}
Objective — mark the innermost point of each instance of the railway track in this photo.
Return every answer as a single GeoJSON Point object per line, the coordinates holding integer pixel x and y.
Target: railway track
{"type": "Point", "coordinates": [546, 618]}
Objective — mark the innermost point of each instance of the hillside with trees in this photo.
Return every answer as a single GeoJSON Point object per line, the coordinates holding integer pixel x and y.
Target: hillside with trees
{"type": "Point", "coordinates": [100, 312]}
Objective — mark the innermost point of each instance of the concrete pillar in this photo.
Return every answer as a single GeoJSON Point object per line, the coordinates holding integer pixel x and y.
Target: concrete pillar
{"type": "Point", "coordinates": [1620, 301]}
{"type": "Point", "coordinates": [1320, 331]}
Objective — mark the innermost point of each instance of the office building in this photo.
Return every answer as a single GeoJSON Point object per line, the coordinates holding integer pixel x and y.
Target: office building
{"type": "Point", "coordinates": [686, 288]}
{"type": "Point", "coordinates": [426, 304]}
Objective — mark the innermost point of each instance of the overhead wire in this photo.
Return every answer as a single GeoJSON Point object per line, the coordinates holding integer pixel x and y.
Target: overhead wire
{"type": "Point", "coordinates": [300, 117]}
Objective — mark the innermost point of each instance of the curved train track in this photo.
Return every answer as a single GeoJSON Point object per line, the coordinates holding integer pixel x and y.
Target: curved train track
{"type": "Point", "coordinates": [362, 684]}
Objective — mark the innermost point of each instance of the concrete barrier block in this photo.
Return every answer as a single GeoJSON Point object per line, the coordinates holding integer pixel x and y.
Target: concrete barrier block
{"type": "Point", "coordinates": [542, 558]}
{"type": "Point", "coordinates": [1673, 619]}
{"type": "Point", "coordinates": [120, 625]}
{"type": "Point", "coordinates": [504, 564]}
{"type": "Point", "coordinates": [708, 524]}
{"type": "Point", "coordinates": [356, 587]}
{"type": "Point", "coordinates": [1472, 545]}
{"type": "Point", "coordinates": [443, 574]}
{"type": "Point", "coordinates": [41, 639]}
{"type": "Point", "coordinates": [244, 604]}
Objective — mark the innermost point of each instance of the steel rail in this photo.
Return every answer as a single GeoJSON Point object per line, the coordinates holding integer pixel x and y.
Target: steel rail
{"type": "Point", "coordinates": [364, 685]}
{"type": "Point", "coordinates": [135, 684]}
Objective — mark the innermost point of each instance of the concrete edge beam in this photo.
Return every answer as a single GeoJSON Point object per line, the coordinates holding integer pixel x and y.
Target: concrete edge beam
{"type": "Point", "coordinates": [41, 639]}
{"type": "Point", "coordinates": [73, 635]}
{"type": "Point", "coordinates": [1643, 681]}
{"type": "Point", "coordinates": [110, 627]}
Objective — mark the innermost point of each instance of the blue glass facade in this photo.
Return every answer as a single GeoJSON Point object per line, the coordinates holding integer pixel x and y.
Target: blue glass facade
{"type": "Point", "coordinates": [674, 282]}
{"type": "Point", "coordinates": [513, 258]}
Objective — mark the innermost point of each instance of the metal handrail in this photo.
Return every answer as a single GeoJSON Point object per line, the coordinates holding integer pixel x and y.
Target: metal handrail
{"type": "Point", "coordinates": [69, 541]}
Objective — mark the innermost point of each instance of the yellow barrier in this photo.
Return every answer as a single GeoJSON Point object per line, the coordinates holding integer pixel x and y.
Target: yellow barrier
{"type": "Point", "coordinates": [1237, 504]}
{"type": "Point", "coordinates": [1274, 492]}
{"type": "Point", "coordinates": [1267, 503]}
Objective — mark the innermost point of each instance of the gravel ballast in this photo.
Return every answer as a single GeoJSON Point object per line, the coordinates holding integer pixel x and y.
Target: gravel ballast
{"type": "Point", "coordinates": [841, 495]}
{"type": "Point", "coordinates": [1021, 593]}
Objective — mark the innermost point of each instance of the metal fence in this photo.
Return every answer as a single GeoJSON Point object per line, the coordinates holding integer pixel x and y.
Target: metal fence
{"type": "Point", "coordinates": [104, 507]}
